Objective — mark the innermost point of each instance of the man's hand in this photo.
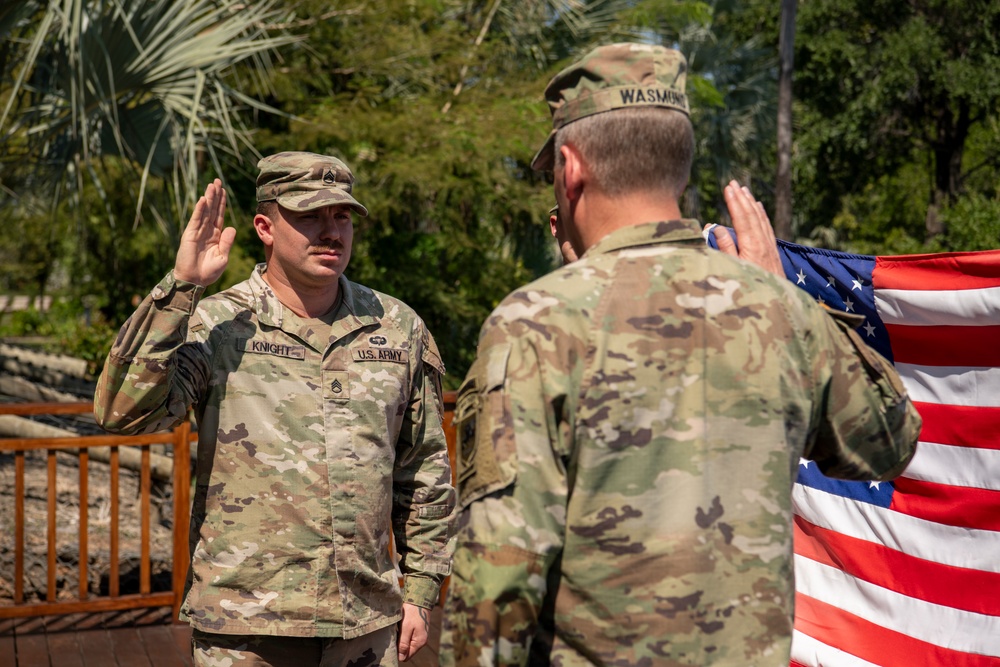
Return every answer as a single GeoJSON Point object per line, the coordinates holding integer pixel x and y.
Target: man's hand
{"type": "Point", "coordinates": [753, 231]}
{"type": "Point", "coordinates": [205, 243]}
{"type": "Point", "coordinates": [413, 630]}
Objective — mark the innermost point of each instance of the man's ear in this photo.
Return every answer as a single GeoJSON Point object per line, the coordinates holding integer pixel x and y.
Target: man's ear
{"type": "Point", "coordinates": [574, 171]}
{"type": "Point", "coordinates": [263, 225]}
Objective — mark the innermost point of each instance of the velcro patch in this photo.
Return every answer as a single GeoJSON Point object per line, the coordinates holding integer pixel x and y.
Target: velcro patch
{"type": "Point", "coordinates": [272, 348]}
{"type": "Point", "coordinates": [381, 354]}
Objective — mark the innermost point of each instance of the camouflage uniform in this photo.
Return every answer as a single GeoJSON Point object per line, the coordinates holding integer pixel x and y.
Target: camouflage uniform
{"type": "Point", "coordinates": [628, 439]}
{"type": "Point", "coordinates": [316, 438]}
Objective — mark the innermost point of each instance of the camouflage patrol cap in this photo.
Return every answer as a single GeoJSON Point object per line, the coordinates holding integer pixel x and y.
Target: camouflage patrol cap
{"type": "Point", "coordinates": [306, 181]}
{"type": "Point", "coordinates": [617, 76]}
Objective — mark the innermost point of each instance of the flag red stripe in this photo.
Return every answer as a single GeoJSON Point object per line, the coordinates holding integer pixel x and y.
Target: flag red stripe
{"type": "Point", "coordinates": [874, 643]}
{"type": "Point", "coordinates": [947, 585]}
{"type": "Point", "coordinates": [961, 506]}
{"type": "Point", "coordinates": [960, 425]}
{"type": "Point", "coordinates": [945, 345]}
{"type": "Point", "coordinates": [945, 271]}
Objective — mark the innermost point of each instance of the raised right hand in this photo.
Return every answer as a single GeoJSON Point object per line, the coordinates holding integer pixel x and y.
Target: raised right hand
{"type": "Point", "coordinates": [205, 243]}
{"type": "Point", "coordinates": [754, 233]}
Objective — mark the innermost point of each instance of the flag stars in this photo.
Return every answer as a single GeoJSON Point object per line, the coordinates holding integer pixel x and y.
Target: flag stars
{"type": "Point", "coordinates": [856, 284]}
{"type": "Point", "coordinates": [801, 276]}
{"type": "Point", "coordinates": [820, 301]}
{"type": "Point", "coordinates": [873, 485]}
{"type": "Point", "coordinates": [848, 304]}
{"type": "Point", "coordinates": [869, 329]}
{"type": "Point", "coordinates": [830, 280]}
{"type": "Point", "coordinates": [804, 462]}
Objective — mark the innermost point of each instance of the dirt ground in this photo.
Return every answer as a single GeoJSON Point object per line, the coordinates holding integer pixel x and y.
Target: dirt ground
{"type": "Point", "coordinates": [99, 521]}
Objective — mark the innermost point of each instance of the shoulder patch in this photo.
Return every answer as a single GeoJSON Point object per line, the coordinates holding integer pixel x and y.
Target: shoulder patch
{"type": "Point", "coordinates": [431, 356]}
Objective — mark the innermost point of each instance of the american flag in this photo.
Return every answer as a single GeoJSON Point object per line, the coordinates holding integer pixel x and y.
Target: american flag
{"type": "Point", "coordinates": [907, 573]}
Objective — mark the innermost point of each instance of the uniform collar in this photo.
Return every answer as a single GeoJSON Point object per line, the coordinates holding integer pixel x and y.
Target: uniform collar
{"type": "Point", "coordinates": [683, 231]}
{"type": "Point", "coordinates": [357, 308]}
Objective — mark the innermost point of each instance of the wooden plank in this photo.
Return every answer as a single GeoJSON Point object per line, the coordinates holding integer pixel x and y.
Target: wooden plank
{"type": "Point", "coordinates": [128, 647]}
{"type": "Point", "coordinates": [74, 442]}
{"type": "Point", "coordinates": [181, 633]}
{"type": "Point", "coordinates": [144, 490]}
{"type": "Point", "coordinates": [7, 650]}
{"type": "Point", "coordinates": [113, 577]}
{"type": "Point", "coordinates": [45, 408]}
{"type": "Point", "coordinates": [161, 648]}
{"type": "Point", "coordinates": [164, 599]}
{"type": "Point", "coordinates": [84, 588]}
{"type": "Point", "coordinates": [64, 649]}
{"type": "Point", "coordinates": [18, 527]}
{"type": "Point", "coordinates": [96, 648]}
{"type": "Point", "coordinates": [32, 649]}
{"type": "Point", "coordinates": [50, 588]}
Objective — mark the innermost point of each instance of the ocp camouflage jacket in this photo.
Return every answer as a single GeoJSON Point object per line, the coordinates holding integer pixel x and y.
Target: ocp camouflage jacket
{"type": "Point", "coordinates": [316, 442]}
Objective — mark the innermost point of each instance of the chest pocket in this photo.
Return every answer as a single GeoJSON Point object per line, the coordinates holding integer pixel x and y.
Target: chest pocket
{"type": "Point", "coordinates": [487, 457]}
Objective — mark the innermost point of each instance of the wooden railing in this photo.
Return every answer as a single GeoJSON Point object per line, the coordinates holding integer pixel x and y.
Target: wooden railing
{"type": "Point", "coordinates": [180, 439]}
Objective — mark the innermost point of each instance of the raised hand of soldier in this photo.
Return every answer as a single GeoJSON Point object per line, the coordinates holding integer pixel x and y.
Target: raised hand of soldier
{"type": "Point", "coordinates": [753, 231]}
{"type": "Point", "coordinates": [205, 243]}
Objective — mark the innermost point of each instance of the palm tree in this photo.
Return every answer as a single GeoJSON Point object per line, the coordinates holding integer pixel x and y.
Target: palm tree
{"type": "Point", "coordinates": [94, 90]}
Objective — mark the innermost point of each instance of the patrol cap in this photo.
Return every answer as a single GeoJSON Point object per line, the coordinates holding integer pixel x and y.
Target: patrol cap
{"type": "Point", "coordinates": [616, 76]}
{"type": "Point", "coordinates": [305, 181]}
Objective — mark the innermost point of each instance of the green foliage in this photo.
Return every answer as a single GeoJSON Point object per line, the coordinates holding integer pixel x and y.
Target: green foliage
{"type": "Point", "coordinates": [437, 106]}
{"type": "Point", "coordinates": [886, 86]}
{"type": "Point", "coordinates": [68, 327]}
{"type": "Point", "coordinates": [972, 223]}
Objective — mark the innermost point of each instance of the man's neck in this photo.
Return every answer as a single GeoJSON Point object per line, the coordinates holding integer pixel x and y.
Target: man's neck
{"type": "Point", "coordinates": [305, 303]}
{"type": "Point", "coordinates": [596, 215]}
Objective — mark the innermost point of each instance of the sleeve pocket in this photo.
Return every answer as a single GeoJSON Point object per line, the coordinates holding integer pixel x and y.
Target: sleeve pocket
{"type": "Point", "coordinates": [487, 459]}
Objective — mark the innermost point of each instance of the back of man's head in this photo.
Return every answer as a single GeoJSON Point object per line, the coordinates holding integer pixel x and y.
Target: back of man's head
{"type": "Point", "coordinates": [623, 107]}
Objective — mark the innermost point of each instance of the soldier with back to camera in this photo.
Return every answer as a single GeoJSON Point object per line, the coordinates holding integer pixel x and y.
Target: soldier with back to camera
{"type": "Point", "coordinates": [631, 428]}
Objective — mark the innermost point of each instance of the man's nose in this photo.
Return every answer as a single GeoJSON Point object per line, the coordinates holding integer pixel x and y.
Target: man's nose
{"type": "Point", "coordinates": [330, 227]}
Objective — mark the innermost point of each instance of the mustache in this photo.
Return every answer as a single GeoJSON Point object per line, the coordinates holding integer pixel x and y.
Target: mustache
{"type": "Point", "coordinates": [327, 247]}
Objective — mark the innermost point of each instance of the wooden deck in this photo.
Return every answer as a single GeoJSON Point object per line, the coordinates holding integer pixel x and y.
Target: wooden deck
{"type": "Point", "coordinates": [133, 638]}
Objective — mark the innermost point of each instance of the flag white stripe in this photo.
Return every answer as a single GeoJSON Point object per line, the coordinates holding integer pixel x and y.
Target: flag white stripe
{"type": "Point", "coordinates": [955, 629]}
{"type": "Point", "coordinates": [952, 385]}
{"type": "Point", "coordinates": [971, 307]}
{"type": "Point", "coordinates": [811, 652]}
{"type": "Point", "coordinates": [955, 466]}
{"type": "Point", "coordinates": [949, 545]}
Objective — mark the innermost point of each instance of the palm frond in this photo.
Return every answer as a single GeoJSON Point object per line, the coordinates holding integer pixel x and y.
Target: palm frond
{"type": "Point", "coordinates": [142, 80]}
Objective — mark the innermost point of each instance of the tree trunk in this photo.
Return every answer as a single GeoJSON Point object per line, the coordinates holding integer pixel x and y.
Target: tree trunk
{"type": "Point", "coordinates": [949, 148]}
{"type": "Point", "coordinates": [783, 179]}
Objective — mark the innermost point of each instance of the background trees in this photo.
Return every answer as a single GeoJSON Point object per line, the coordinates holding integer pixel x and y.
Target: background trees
{"type": "Point", "coordinates": [118, 112]}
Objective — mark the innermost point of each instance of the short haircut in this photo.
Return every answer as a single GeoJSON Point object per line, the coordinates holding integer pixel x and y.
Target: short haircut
{"type": "Point", "coordinates": [267, 208]}
{"type": "Point", "coordinates": [632, 150]}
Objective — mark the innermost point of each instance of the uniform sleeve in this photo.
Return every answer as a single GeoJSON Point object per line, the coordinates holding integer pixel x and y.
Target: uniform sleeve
{"type": "Point", "coordinates": [512, 496]}
{"type": "Point", "coordinates": [423, 495]}
{"type": "Point", "coordinates": [151, 377]}
{"type": "Point", "coordinates": [866, 426]}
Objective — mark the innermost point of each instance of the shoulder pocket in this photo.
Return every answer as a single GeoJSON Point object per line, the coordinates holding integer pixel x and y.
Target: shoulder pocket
{"type": "Point", "coordinates": [487, 459]}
